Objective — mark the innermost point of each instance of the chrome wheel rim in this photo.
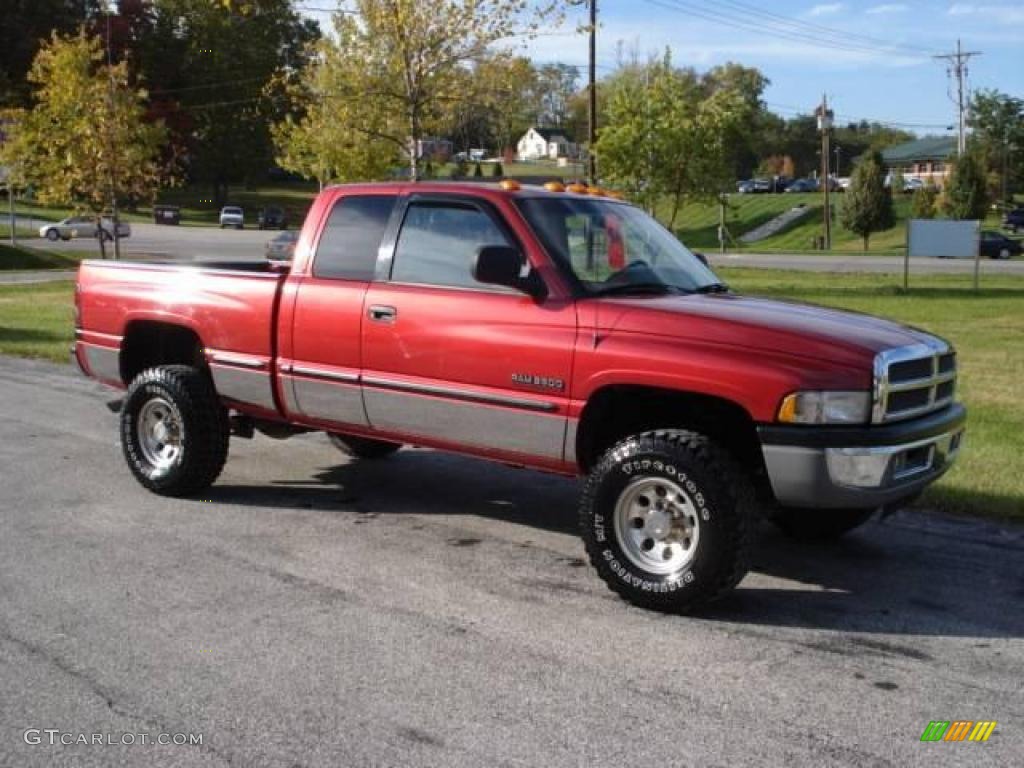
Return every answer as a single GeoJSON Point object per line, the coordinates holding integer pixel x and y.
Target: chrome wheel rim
{"type": "Point", "coordinates": [160, 433]}
{"type": "Point", "coordinates": [657, 525]}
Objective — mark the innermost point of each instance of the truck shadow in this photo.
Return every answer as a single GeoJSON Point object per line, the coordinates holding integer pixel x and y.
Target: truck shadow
{"type": "Point", "coordinates": [910, 574]}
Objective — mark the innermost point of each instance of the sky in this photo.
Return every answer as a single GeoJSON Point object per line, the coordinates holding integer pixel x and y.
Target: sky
{"type": "Point", "coordinates": [872, 58]}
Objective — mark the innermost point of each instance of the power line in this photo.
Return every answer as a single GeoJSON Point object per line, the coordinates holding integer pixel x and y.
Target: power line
{"type": "Point", "coordinates": [842, 35]}
{"type": "Point", "coordinates": [743, 23]}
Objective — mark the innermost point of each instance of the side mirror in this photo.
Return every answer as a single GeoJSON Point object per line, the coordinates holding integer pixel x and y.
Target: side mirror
{"type": "Point", "coordinates": [503, 265]}
{"type": "Point", "coordinates": [702, 259]}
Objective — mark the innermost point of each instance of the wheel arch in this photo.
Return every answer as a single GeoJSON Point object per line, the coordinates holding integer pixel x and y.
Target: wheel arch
{"type": "Point", "coordinates": [150, 343]}
{"type": "Point", "coordinates": [616, 411]}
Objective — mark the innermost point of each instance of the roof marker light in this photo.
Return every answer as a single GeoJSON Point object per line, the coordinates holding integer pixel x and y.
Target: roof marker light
{"type": "Point", "coordinates": [555, 186]}
{"type": "Point", "coordinates": [510, 185]}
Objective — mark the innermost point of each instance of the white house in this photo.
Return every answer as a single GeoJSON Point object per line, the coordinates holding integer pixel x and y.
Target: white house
{"type": "Point", "coordinates": [545, 144]}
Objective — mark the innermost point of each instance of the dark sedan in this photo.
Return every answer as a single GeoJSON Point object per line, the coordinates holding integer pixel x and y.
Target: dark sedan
{"type": "Point", "coordinates": [996, 245]}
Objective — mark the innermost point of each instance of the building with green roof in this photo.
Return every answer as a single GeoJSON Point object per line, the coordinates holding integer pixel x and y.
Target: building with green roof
{"type": "Point", "coordinates": [927, 159]}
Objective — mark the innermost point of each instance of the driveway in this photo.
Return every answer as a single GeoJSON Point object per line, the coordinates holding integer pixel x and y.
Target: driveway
{"type": "Point", "coordinates": [434, 610]}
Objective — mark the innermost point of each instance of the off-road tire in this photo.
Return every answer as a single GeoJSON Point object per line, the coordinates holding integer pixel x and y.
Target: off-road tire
{"type": "Point", "coordinates": [205, 430]}
{"type": "Point", "coordinates": [720, 493]}
{"type": "Point", "coordinates": [818, 524]}
{"type": "Point", "coordinates": [363, 447]}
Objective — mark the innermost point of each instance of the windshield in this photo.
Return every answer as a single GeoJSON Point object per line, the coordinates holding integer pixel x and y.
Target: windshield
{"type": "Point", "coordinates": [611, 247]}
{"type": "Point", "coordinates": [232, 211]}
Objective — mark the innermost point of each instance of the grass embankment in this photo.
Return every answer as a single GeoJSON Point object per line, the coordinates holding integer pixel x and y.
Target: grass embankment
{"type": "Point", "coordinates": [22, 257]}
{"type": "Point", "coordinates": [987, 329]}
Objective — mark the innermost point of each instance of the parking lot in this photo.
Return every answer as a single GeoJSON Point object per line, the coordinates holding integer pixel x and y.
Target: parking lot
{"type": "Point", "coordinates": [435, 610]}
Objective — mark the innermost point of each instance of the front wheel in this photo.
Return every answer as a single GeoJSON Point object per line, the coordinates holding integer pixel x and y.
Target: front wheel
{"type": "Point", "coordinates": [819, 524]}
{"type": "Point", "coordinates": [363, 447]}
{"type": "Point", "coordinates": [52, 235]}
{"type": "Point", "coordinates": [667, 519]}
{"type": "Point", "coordinates": [174, 431]}
{"type": "Point", "coordinates": [1004, 253]}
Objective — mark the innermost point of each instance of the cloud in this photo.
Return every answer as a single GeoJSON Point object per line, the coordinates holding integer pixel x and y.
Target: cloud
{"type": "Point", "coordinates": [825, 9]}
{"type": "Point", "coordinates": [999, 14]}
{"type": "Point", "coordinates": [886, 8]}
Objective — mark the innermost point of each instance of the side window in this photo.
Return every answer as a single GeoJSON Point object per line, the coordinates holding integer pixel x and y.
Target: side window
{"type": "Point", "coordinates": [348, 245]}
{"type": "Point", "coordinates": [439, 242]}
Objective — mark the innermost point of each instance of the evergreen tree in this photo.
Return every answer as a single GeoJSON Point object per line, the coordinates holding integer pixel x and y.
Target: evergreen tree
{"type": "Point", "coordinates": [867, 206]}
{"type": "Point", "coordinates": [924, 202]}
{"type": "Point", "coordinates": [966, 194]}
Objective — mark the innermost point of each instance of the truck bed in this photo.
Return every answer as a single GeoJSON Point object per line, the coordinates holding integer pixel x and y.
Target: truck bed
{"type": "Point", "coordinates": [230, 307]}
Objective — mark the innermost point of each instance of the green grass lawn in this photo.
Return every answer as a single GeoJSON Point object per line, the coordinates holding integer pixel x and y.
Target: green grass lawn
{"type": "Point", "coordinates": [25, 257]}
{"type": "Point", "coordinates": [36, 320]}
{"type": "Point", "coordinates": [987, 329]}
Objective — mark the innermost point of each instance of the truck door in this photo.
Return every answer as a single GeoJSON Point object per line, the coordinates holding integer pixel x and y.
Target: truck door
{"type": "Point", "coordinates": [455, 361]}
{"type": "Point", "coordinates": [321, 381]}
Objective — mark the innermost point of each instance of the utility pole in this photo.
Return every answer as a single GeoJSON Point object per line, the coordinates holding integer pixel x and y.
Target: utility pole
{"type": "Point", "coordinates": [592, 92]}
{"type": "Point", "coordinates": [824, 125]}
{"type": "Point", "coordinates": [112, 150]}
{"type": "Point", "coordinates": [957, 68]}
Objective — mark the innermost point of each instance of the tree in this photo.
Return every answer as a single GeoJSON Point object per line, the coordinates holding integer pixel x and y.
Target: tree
{"type": "Point", "coordinates": [317, 138]}
{"type": "Point", "coordinates": [998, 123]}
{"type": "Point", "coordinates": [86, 142]}
{"type": "Point", "coordinates": [26, 25]}
{"type": "Point", "coordinates": [398, 61]}
{"type": "Point", "coordinates": [867, 204]}
{"type": "Point", "coordinates": [924, 202]}
{"type": "Point", "coordinates": [220, 72]}
{"type": "Point", "coordinates": [664, 134]}
{"type": "Point", "coordinates": [966, 193]}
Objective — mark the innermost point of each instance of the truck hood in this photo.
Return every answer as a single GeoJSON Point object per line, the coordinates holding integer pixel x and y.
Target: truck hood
{"type": "Point", "coordinates": [782, 327]}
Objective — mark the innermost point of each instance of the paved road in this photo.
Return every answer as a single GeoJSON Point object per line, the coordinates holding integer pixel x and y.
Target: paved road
{"type": "Point", "coordinates": [432, 610]}
{"type": "Point", "coordinates": [191, 243]}
{"type": "Point", "coordinates": [182, 243]}
{"type": "Point", "coordinates": [862, 263]}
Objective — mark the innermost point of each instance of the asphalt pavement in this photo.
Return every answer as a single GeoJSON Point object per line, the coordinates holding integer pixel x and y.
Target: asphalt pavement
{"type": "Point", "coordinates": [205, 243]}
{"type": "Point", "coordinates": [431, 610]}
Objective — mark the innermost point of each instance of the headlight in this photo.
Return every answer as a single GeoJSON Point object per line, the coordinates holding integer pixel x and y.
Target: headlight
{"type": "Point", "coordinates": [825, 408]}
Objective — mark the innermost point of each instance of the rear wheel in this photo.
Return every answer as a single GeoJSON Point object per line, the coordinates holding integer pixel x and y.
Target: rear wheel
{"type": "Point", "coordinates": [667, 519]}
{"type": "Point", "coordinates": [363, 447]}
{"type": "Point", "coordinates": [174, 431]}
{"type": "Point", "coordinates": [819, 524]}
{"type": "Point", "coordinates": [1004, 253]}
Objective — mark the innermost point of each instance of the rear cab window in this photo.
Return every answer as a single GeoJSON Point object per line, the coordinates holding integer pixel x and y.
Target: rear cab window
{"type": "Point", "coordinates": [351, 237]}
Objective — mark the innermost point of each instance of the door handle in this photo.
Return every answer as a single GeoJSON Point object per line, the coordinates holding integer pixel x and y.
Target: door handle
{"type": "Point", "coordinates": [382, 314]}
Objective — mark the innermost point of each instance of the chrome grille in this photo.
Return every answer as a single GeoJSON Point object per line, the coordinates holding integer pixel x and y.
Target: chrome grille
{"type": "Point", "coordinates": [912, 381]}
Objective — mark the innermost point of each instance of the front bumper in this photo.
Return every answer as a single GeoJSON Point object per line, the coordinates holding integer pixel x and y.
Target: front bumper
{"type": "Point", "coordinates": [860, 467]}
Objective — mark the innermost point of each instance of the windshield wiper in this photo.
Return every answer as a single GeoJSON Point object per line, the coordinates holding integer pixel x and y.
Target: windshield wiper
{"type": "Point", "coordinates": [638, 288]}
{"type": "Point", "coordinates": [713, 288]}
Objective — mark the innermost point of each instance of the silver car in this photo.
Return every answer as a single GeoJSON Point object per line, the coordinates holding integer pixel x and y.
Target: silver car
{"type": "Point", "coordinates": [232, 216]}
{"type": "Point", "coordinates": [83, 226]}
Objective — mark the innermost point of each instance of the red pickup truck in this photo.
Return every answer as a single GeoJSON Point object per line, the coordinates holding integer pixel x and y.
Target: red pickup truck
{"type": "Point", "coordinates": [560, 330]}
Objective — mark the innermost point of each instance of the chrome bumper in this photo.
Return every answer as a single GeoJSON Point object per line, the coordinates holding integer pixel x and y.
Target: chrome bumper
{"type": "Point", "coordinates": [861, 472]}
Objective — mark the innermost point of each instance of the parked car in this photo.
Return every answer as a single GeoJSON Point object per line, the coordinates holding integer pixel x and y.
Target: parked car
{"type": "Point", "coordinates": [282, 247]}
{"type": "Point", "coordinates": [1014, 220]}
{"type": "Point", "coordinates": [232, 216]}
{"type": "Point", "coordinates": [996, 245]}
{"type": "Point", "coordinates": [84, 226]}
{"type": "Point", "coordinates": [754, 186]}
{"type": "Point", "coordinates": [745, 187]}
{"type": "Point", "coordinates": [911, 185]}
{"type": "Point", "coordinates": [803, 185]}
{"type": "Point", "coordinates": [271, 217]}
{"type": "Point", "coordinates": [589, 342]}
